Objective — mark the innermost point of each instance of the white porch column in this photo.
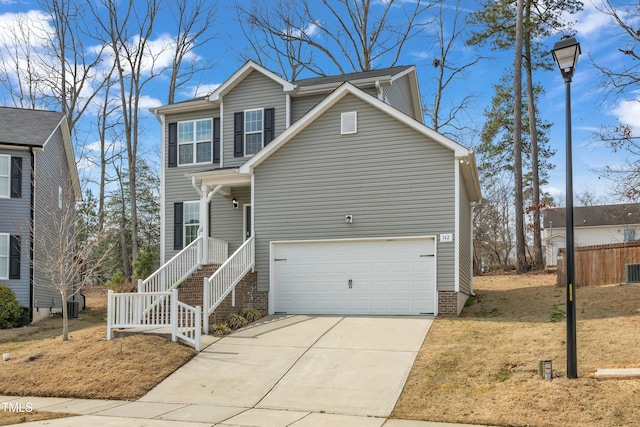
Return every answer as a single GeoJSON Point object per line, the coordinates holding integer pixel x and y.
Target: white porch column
{"type": "Point", "coordinates": [204, 223]}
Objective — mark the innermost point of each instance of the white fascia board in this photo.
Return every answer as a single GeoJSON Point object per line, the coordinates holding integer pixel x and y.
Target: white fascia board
{"type": "Point", "coordinates": [227, 177]}
{"type": "Point", "coordinates": [469, 171]}
{"type": "Point", "coordinates": [243, 72]}
{"type": "Point", "coordinates": [327, 87]}
{"type": "Point", "coordinates": [183, 107]}
{"type": "Point", "coordinates": [63, 125]}
{"type": "Point", "coordinates": [328, 102]}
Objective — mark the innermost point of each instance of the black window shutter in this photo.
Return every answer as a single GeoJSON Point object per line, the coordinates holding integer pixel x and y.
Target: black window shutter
{"type": "Point", "coordinates": [14, 257]}
{"type": "Point", "coordinates": [178, 230]}
{"type": "Point", "coordinates": [173, 145]}
{"type": "Point", "coordinates": [16, 177]}
{"type": "Point", "coordinates": [216, 140]}
{"type": "Point", "coordinates": [269, 119]}
{"type": "Point", "coordinates": [238, 134]}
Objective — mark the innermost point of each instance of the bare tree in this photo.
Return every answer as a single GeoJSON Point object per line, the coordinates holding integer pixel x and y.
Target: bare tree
{"type": "Point", "coordinates": [69, 68]}
{"type": "Point", "coordinates": [19, 64]}
{"type": "Point", "coordinates": [135, 65]}
{"type": "Point", "coordinates": [450, 29]}
{"type": "Point", "coordinates": [66, 248]}
{"type": "Point", "coordinates": [354, 35]}
{"type": "Point", "coordinates": [194, 21]}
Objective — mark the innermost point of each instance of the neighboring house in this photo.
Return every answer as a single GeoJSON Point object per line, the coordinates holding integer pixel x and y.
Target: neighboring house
{"type": "Point", "coordinates": [354, 205]}
{"type": "Point", "coordinates": [593, 225]}
{"type": "Point", "coordinates": [36, 162]}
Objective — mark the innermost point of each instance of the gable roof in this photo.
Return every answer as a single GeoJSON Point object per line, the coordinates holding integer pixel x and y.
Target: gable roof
{"type": "Point", "coordinates": [351, 77]}
{"type": "Point", "coordinates": [466, 157]}
{"type": "Point", "coordinates": [240, 75]}
{"type": "Point", "coordinates": [27, 128]}
{"type": "Point", "coordinates": [24, 128]}
{"type": "Point", "coordinates": [593, 216]}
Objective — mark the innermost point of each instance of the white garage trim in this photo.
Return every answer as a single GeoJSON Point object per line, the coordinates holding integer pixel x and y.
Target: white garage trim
{"type": "Point", "coordinates": [273, 245]}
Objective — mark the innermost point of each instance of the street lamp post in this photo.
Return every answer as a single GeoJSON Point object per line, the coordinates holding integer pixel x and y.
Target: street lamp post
{"type": "Point", "coordinates": [566, 53]}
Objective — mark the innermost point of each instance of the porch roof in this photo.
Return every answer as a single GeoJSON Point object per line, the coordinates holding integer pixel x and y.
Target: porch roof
{"type": "Point", "coordinates": [229, 177]}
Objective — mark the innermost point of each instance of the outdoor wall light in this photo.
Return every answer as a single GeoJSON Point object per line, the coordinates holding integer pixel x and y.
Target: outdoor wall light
{"type": "Point", "coordinates": [235, 203]}
{"type": "Point", "coordinates": [348, 219]}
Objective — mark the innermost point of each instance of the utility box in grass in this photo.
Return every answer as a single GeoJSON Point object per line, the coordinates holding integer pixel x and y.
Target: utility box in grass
{"type": "Point", "coordinates": [72, 309]}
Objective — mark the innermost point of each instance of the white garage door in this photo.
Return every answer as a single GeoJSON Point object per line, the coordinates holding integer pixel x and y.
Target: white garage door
{"type": "Point", "coordinates": [354, 277]}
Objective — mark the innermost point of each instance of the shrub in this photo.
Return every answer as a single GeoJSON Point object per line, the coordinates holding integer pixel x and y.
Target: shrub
{"type": "Point", "coordinates": [235, 321]}
{"type": "Point", "coordinates": [251, 314]}
{"type": "Point", "coordinates": [219, 329]}
{"type": "Point", "coordinates": [11, 312]}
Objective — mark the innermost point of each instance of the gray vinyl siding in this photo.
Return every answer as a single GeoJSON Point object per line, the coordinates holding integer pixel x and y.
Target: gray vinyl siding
{"type": "Point", "coordinates": [51, 167]}
{"type": "Point", "coordinates": [227, 223]}
{"type": "Point", "coordinates": [15, 214]}
{"type": "Point", "coordinates": [465, 240]}
{"type": "Point", "coordinates": [255, 91]}
{"type": "Point", "coordinates": [177, 187]}
{"type": "Point", "coordinates": [392, 179]}
{"type": "Point", "coordinates": [398, 95]}
{"type": "Point", "coordinates": [301, 105]}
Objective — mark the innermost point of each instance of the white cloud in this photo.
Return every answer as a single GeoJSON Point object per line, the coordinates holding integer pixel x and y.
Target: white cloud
{"type": "Point", "coordinates": [554, 191]}
{"type": "Point", "coordinates": [627, 112]}
{"type": "Point", "coordinates": [308, 31]}
{"type": "Point", "coordinates": [590, 20]}
{"type": "Point", "coordinates": [30, 28]}
{"type": "Point", "coordinates": [147, 102]}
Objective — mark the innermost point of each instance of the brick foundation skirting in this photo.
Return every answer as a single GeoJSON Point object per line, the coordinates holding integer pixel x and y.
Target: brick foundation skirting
{"type": "Point", "coordinates": [447, 303]}
{"type": "Point", "coordinates": [247, 295]}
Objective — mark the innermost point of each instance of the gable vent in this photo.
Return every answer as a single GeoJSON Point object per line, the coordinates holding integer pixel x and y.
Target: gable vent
{"type": "Point", "coordinates": [349, 122]}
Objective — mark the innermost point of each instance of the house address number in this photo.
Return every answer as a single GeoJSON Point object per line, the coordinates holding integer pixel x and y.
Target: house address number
{"type": "Point", "coordinates": [446, 237]}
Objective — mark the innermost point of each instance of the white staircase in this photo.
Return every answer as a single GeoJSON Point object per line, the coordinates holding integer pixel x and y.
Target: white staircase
{"type": "Point", "coordinates": [156, 304]}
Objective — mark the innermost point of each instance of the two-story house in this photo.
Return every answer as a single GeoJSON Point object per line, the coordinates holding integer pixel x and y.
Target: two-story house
{"type": "Point", "coordinates": [36, 163]}
{"type": "Point", "coordinates": [352, 204]}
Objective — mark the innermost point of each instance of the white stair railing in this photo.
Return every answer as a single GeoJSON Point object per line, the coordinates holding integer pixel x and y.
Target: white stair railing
{"type": "Point", "coordinates": [145, 310]}
{"type": "Point", "coordinates": [225, 279]}
{"type": "Point", "coordinates": [218, 251]}
{"type": "Point", "coordinates": [174, 271]}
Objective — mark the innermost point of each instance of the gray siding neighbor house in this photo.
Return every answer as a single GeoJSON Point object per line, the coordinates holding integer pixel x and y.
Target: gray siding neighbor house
{"type": "Point", "coordinates": [36, 162]}
{"type": "Point", "coordinates": [353, 204]}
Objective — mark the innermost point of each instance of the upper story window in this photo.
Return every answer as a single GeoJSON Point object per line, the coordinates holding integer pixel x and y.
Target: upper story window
{"type": "Point", "coordinates": [629, 235]}
{"type": "Point", "coordinates": [5, 172]}
{"type": "Point", "coordinates": [253, 131]}
{"type": "Point", "coordinates": [194, 141]}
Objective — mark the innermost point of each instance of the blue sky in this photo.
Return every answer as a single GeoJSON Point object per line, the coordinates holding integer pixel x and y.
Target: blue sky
{"type": "Point", "coordinates": [595, 32]}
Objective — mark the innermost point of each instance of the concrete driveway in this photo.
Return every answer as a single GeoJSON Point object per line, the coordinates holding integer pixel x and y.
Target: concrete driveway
{"type": "Point", "coordinates": [311, 364]}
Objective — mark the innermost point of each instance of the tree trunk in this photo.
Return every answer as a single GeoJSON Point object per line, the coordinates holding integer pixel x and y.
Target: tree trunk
{"type": "Point", "coordinates": [521, 260]}
{"type": "Point", "coordinates": [533, 130]}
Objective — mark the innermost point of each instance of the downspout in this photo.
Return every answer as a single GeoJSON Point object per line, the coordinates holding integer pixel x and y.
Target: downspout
{"type": "Point", "coordinates": [32, 217]}
{"type": "Point", "coordinates": [379, 90]}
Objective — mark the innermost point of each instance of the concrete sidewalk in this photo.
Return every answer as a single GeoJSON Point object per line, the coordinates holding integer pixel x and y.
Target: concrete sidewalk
{"type": "Point", "coordinates": [112, 413]}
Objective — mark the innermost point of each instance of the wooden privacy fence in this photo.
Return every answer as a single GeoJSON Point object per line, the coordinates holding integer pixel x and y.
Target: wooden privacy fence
{"type": "Point", "coordinates": [599, 265]}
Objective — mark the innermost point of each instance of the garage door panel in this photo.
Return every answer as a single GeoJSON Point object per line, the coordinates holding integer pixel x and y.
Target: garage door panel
{"type": "Point", "coordinates": [387, 277]}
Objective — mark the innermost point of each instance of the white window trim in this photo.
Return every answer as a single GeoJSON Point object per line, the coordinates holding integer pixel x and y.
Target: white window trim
{"type": "Point", "coordinates": [261, 131]}
{"type": "Point", "coordinates": [184, 222]}
{"type": "Point", "coordinates": [194, 142]}
{"type": "Point", "coordinates": [5, 258]}
{"type": "Point", "coordinates": [7, 176]}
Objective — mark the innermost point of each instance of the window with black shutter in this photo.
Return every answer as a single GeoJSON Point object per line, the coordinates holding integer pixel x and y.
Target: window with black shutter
{"type": "Point", "coordinates": [16, 177]}
{"type": "Point", "coordinates": [173, 145]}
{"type": "Point", "coordinates": [238, 134]}
{"type": "Point", "coordinates": [14, 257]}
{"type": "Point", "coordinates": [178, 235]}
{"type": "Point", "coordinates": [269, 122]}
{"type": "Point", "coordinates": [216, 140]}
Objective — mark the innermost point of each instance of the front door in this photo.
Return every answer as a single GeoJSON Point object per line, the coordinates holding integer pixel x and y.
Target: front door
{"type": "Point", "coordinates": [248, 231]}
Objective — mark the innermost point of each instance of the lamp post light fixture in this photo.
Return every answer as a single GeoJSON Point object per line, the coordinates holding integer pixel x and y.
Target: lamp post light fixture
{"type": "Point", "coordinates": [566, 52]}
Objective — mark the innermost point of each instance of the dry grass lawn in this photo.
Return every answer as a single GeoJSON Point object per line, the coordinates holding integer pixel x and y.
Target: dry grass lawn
{"type": "Point", "coordinates": [481, 368]}
{"type": "Point", "coordinates": [87, 366]}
